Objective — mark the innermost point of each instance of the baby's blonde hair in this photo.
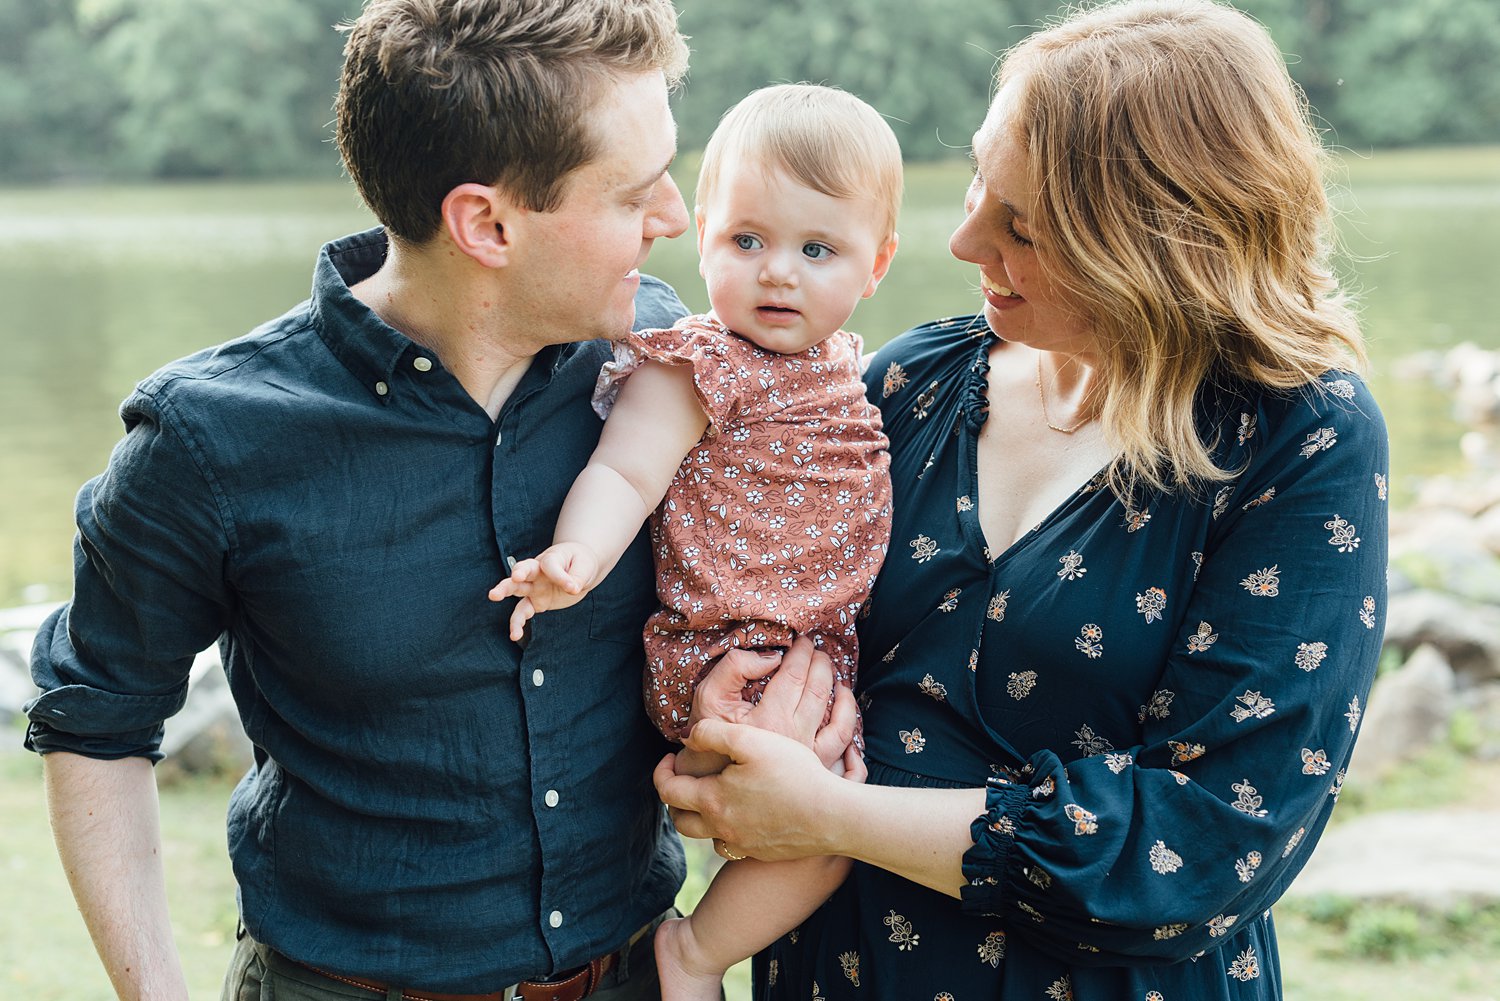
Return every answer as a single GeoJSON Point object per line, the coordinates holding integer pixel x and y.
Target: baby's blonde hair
{"type": "Point", "coordinates": [1181, 201]}
{"type": "Point", "coordinates": [823, 137]}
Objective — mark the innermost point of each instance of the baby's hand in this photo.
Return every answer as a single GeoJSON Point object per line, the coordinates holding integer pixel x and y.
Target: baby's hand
{"type": "Point", "coordinates": [559, 577]}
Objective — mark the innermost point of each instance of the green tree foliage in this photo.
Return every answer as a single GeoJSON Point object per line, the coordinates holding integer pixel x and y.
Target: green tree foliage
{"type": "Point", "coordinates": [169, 88]}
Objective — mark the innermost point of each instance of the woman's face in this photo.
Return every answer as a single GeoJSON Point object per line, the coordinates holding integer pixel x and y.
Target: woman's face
{"type": "Point", "coordinates": [1021, 302]}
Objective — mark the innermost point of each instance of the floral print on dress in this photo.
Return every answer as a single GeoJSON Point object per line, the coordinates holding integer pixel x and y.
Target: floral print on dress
{"type": "Point", "coordinates": [895, 378]}
{"type": "Point", "coordinates": [1343, 538]}
{"type": "Point", "coordinates": [1089, 742]}
{"type": "Point", "coordinates": [1072, 566]}
{"type": "Point", "coordinates": [930, 686]}
{"type": "Point", "coordinates": [1090, 641]}
{"type": "Point", "coordinates": [998, 602]}
{"type": "Point", "coordinates": [1183, 751]}
{"type": "Point", "coordinates": [1084, 822]}
{"type": "Point", "coordinates": [1020, 684]}
{"type": "Point", "coordinates": [1163, 859]}
{"type": "Point", "coordinates": [1353, 714]}
{"type": "Point", "coordinates": [924, 403]}
{"type": "Point", "coordinates": [1200, 641]}
{"type": "Point", "coordinates": [1320, 440]}
{"type": "Point", "coordinates": [1061, 989]}
{"type": "Point", "coordinates": [950, 600]}
{"type": "Point", "coordinates": [1247, 428]}
{"type": "Point", "coordinates": [1151, 604]}
{"type": "Point", "coordinates": [1315, 762]}
{"type": "Point", "coordinates": [1310, 655]}
{"type": "Point", "coordinates": [901, 932]}
{"type": "Point", "coordinates": [1136, 520]}
{"type": "Point", "coordinates": [913, 741]}
{"type": "Point", "coordinates": [1245, 967]}
{"type": "Point", "coordinates": [1342, 388]}
{"type": "Point", "coordinates": [850, 962]}
{"type": "Point", "coordinates": [1221, 501]}
{"type": "Point", "coordinates": [992, 949]}
{"type": "Point", "coordinates": [1265, 583]}
{"type": "Point", "coordinates": [1367, 611]}
{"type": "Point", "coordinates": [1160, 706]}
{"type": "Point", "coordinates": [1265, 497]}
{"type": "Point", "coordinates": [1219, 925]}
{"type": "Point", "coordinates": [1248, 799]}
{"type": "Point", "coordinates": [923, 548]}
{"type": "Point", "coordinates": [1244, 868]}
{"type": "Point", "coordinates": [1380, 486]}
{"type": "Point", "coordinates": [1118, 761]}
{"type": "Point", "coordinates": [1253, 705]}
{"type": "Point", "coordinates": [1296, 840]}
{"type": "Point", "coordinates": [965, 503]}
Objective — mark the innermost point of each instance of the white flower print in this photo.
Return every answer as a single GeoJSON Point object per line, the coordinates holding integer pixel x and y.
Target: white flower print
{"type": "Point", "coordinates": [1118, 761]}
{"type": "Point", "coordinates": [1061, 989]}
{"type": "Point", "coordinates": [1338, 784]}
{"type": "Point", "coordinates": [1090, 641]}
{"type": "Point", "coordinates": [1090, 743]}
{"type": "Point", "coordinates": [1045, 788]}
{"type": "Point", "coordinates": [1380, 490]}
{"type": "Point", "coordinates": [942, 996]}
{"type": "Point", "coordinates": [998, 602]}
{"type": "Point", "coordinates": [1245, 967]}
{"type": "Point", "coordinates": [1315, 762]}
{"type": "Point", "coordinates": [1245, 868]}
{"type": "Point", "coordinates": [1136, 520]}
{"type": "Point", "coordinates": [1165, 932]}
{"type": "Point", "coordinates": [936, 689]}
{"type": "Point", "coordinates": [965, 503]}
{"type": "Point", "coordinates": [925, 548]}
{"type": "Point", "coordinates": [1154, 996]}
{"type": "Point", "coordinates": [1247, 427]}
{"type": "Point", "coordinates": [773, 970]}
{"type": "Point", "coordinates": [1204, 638]}
{"type": "Point", "coordinates": [1221, 501]}
{"type": "Point", "coordinates": [1342, 388]}
{"type": "Point", "coordinates": [1221, 924]}
{"type": "Point", "coordinates": [850, 962]}
{"type": "Point", "coordinates": [1310, 655]}
{"type": "Point", "coordinates": [815, 995]}
{"type": "Point", "coordinates": [1038, 876]}
{"type": "Point", "coordinates": [901, 932]}
{"type": "Point", "coordinates": [1020, 684]}
{"type": "Point", "coordinates": [1197, 564]}
{"type": "Point", "coordinates": [1320, 440]}
{"type": "Point", "coordinates": [973, 660]}
{"type": "Point", "coordinates": [1296, 840]}
{"type": "Point", "coordinates": [1247, 800]}
{"type": "Point", "coordinates": [1163, 859]}
{"type": "Point", "coordinates": [1343, 538]}
{"type": "Point", "coordinates": [913, 740]}
{"type": "Point", "coordinates": [1367, 611]}
{"type": "Point", "coordinates": [1072, 566]}
{"type": "Point", "coordinates": [950, 600]}
{"type": "Point", "coordinates": [1255, 705]}
{"type": "Point", "coordinates": [890, 654]}
{"type": "Point", "coordinates": [992, 949]}
{"type": "Point", "coordinates": [1084, 822]}
{"type": "Point", "coordinates": [895, 378]}
{"type": "Point", "coordinates": [1264, 583]}
{"type": "Point", "coordinates": [1354, 714]}
{"type": "Point", "coordinates": [1151, 603]}
{"type": "Point", "coordinates": [1183, 752]}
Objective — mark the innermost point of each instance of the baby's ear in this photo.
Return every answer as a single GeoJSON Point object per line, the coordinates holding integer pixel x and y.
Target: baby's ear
{"type": "Point", "coordinates": [882, 265]}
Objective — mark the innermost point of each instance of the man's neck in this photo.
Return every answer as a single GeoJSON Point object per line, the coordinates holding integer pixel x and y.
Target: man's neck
{"type": "Point", "coordinates": [437, 305]}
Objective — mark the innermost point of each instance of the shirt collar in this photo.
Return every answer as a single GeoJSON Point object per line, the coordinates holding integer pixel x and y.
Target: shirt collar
{"type": "Point", "coordinates": [364, 343]}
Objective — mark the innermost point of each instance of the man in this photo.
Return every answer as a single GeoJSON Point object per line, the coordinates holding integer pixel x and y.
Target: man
{"type": "Point", "coordinates": [434, 811]}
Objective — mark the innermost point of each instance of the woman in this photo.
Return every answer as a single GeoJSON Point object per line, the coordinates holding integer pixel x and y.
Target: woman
{"type": "Point", "coordinates": [1116, 660]}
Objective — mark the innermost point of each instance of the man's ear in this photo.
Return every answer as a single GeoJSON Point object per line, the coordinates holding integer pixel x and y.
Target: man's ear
{"type": "Point", "coordinates": [479, 219]}
{"type": "Point", "coordinates": [882, 265]}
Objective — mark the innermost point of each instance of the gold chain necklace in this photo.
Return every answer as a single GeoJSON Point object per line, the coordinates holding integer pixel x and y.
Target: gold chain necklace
{"type": "Point", "coordinates": [1042, 395]}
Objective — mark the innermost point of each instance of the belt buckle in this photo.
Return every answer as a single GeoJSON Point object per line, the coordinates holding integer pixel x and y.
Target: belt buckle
{"type": "Point", "coordinates": [509, 994]}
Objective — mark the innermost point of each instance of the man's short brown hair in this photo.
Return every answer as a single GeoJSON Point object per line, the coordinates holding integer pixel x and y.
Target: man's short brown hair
{"type": "Point", "coordinates": [438, 93]}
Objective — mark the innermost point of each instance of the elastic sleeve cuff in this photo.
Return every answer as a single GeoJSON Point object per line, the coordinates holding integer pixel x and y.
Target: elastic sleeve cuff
{"type": "Point", "coordinates": [994, 834]}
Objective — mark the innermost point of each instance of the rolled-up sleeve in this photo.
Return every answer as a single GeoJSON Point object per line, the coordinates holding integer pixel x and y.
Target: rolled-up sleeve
{"type": "Point", "coordinates": [149, 593]}
{"type": "Point", "coordinates": [1153, 853]}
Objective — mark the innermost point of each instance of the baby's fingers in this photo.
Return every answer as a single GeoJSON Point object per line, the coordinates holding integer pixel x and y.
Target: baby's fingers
{"type": "Point", "coordinates": [523, 611]}
{"type": "Point", "coordinates": [557, 568]}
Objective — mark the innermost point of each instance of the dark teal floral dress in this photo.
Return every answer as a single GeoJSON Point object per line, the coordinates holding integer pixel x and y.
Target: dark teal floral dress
{"type": "Point", "coordinates": [1160, 696]}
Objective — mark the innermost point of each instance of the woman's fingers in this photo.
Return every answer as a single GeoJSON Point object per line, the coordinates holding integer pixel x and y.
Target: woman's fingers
{"type": "Point", "coordinates": [837, 735]}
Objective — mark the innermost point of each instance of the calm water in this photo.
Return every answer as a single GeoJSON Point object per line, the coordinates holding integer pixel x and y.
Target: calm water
{"type": "Point", "coordinates": [99, 286]}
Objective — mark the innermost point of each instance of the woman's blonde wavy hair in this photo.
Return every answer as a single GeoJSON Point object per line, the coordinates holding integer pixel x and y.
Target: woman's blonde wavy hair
{"type": "Point", "coordinates": [1181, 201]}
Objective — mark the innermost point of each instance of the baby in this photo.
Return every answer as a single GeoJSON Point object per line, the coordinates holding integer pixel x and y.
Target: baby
{"type": "Point", "coordinates": [747, 433]}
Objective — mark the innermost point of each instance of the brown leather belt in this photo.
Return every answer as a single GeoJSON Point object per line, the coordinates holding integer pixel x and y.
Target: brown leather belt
{"type": "Point", "coordinates": [574, 987]}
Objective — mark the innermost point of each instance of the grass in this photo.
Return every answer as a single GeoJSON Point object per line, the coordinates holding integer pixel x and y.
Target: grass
{"type": "Point", "coordinates": [1332, 949]}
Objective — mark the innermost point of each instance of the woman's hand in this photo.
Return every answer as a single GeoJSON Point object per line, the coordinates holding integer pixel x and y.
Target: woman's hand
{"type": "Point", "coordinates": [774, 800]}
{"type": "Point", "coordinates": [792, 705]}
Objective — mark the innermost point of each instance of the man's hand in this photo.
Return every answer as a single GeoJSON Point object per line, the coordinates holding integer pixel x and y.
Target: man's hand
{"type": "Point", "coordinates": [558, 578]}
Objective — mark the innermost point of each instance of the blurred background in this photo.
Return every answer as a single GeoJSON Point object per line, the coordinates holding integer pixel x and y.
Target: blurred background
{"type": "Point", "coordinates": [166, 179]}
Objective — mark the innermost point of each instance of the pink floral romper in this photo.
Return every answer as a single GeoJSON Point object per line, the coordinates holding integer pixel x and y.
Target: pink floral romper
{"type": "Point", "coordinates": [776, 522]}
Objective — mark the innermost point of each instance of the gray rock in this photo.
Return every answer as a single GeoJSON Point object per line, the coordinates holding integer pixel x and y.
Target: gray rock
{"type": "Point", "coordinates": [1410, 709]}
{"type": "Point", "coordinates": [206, 737]}
{"type": "Point", "coordinates": [1427, 859]}
{"type": "Point", "coordinates": [1467, 634]}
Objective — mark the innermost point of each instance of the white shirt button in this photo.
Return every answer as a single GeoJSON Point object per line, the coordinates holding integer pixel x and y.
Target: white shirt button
{"type": "Point", "coordinates": [537, 677]}
{"type": "Point", "coordinates": [555, 919]}
{"type": "Point", "coordinates": [381, 389]}
{"type": "Point", "coordinates": [550, 798]}
{"type": "Point", "coordinates": [498, 437]}
{"type": "Point", "coordinates": [422, 364]}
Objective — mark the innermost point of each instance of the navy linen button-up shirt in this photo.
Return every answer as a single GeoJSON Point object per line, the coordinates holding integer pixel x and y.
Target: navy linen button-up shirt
{"type": "Point", "coordinates": [431, 804]}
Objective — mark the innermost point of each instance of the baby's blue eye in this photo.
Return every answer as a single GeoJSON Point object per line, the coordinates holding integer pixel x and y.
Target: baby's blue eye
{"type": "Point", "coordinates": [817, 251]}
{"type": "Point", "coordinates": [746, 242]}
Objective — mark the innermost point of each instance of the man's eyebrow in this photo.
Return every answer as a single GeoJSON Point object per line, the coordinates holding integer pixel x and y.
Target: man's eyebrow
{"type": "Point", "coordinates": [650, 182]}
